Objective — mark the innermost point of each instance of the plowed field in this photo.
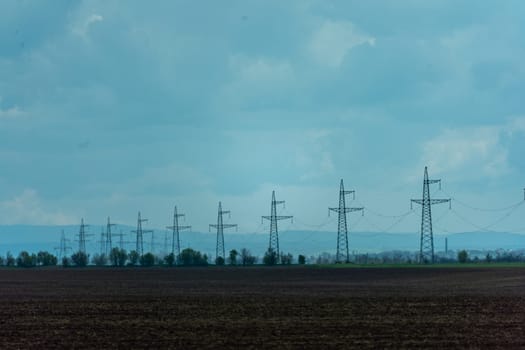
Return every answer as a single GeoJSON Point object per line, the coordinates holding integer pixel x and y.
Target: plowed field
{"type": "Point", "coordinates": [261, 308]}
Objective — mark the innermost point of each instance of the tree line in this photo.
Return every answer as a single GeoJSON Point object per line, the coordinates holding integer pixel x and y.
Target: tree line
{"type": "Point", "coordinates": [120, 258]}
{"type": "Point", "coordinates": [189, 257]}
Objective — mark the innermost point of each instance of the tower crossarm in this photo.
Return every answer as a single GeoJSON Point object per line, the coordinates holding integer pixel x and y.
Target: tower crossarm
{"type": "Point", "coordinates": [430, 182]}
{"type": "Point", "coordinates": [223, 225]}
{"type": "Point", "coordinates": [143, 231]}
{"type": "Point", "coordinates": [179, 227]}
{"type": "Point", "coordinates": [352, 192]}
{"type": "Point", "coordinates": [430, 201]}
{"type": "Point", "coordinates": [278, 217]}
{"type": "Point", "coordinates": [346, 210]}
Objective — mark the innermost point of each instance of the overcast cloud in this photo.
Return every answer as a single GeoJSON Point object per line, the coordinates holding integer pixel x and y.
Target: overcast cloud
{"type": "Point", "coordinates": [110, 107]}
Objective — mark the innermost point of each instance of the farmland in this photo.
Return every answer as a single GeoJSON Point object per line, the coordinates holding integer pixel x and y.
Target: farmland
{"type": "Point", "coordinates": [287, 307]}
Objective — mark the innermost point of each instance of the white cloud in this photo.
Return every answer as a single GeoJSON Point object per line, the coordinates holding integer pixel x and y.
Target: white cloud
{"type": "Point", "coordinates": [257, 80]}
{"type": "Point", "coordinates": [314, 156]}
{"type": "Point", "coordinates": [27, 208]}
{"type": "Point", "coordinates": [260, 70]}
{"type": "Point", "coordinates": [332, 41]}
{"type": "Point", "coordinates": [465, 152]}
{"type": "Point", "coordinates": [11, 113]}
{"type": "Point", "coordinates": [515, 125]}
{"type": "Point", "coordinates": [81, 28]}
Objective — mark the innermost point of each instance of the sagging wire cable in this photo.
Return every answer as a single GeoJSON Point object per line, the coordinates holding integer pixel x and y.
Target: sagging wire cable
{"type": "Point", "coordinates": [487, 227]}
{"type": "Point", "coordinates": [327, 221]}
{"type": "Point", "coordinates": [376, 213]}
{"type": "Point", "coordinates": [390, 227]}
{"type": "Point", "coordinates": [444, 215]}
{"type": "Point", "coordinates": [509, 207]}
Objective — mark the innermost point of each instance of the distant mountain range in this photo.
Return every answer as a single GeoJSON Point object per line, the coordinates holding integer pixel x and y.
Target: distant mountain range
{"type": "Point", "coordinates": [34, 238]}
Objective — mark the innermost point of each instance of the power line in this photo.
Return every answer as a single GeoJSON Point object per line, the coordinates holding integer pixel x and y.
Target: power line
{"type": "Point", "coordinates": [466, 205]}
{"type": "Point", "coordinates": [388, 228]}
{"type": "Point", "coordinates": [377, 213]}
{"type": "Point", "coordinates": [487, 228]}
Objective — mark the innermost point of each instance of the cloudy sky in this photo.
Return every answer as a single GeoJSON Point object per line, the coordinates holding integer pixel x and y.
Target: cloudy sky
{"type": "Point", "coordinates": [110, 107]}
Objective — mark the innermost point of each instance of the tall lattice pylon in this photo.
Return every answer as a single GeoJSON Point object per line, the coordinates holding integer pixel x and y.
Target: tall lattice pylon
{"type": "Point", "coordinates": [139, 243]}
{"type": "Point", "coordinates": [121, 242]}
{"type": "Point", "coordinates": [274, 232]}
{"type": "Point", "coordinates": [220, 226]}
{"type": "Point", "coordinates": [426, 243]}
{"type": "Point", "coordinates": [343, 254]}
{"type": "Point", "coordinates": [176, 228]}
{"type": "Point", "coordinates": [109, 241]}
{"type": "Point", "coordinates": [82, 237]}
{"type": "Point", "coordinates": [102, 241]}
{"type": "Point", "coordinates": [63, 248]}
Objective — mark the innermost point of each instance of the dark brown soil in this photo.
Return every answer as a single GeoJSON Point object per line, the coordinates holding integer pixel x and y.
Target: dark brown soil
{"type": "Point", "coordinates": [263, 308]}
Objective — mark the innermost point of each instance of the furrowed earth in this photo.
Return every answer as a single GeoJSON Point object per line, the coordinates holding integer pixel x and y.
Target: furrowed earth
{"type": "Point", "coordinates": [262, 307]}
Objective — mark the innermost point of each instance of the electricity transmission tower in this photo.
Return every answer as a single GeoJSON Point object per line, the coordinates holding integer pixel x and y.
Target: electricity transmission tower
{"type": "Point", "coordinates": [63, 248]}
{"type": "Point", "coordinates": [121, 241]}
{"type": "Point", "coordinates": [140, 234]}
{"type": "Point", "coordinates": [175, 240]}
{"type": "Point", "coordinates": [165, 248]}
{"type": "Point", "coordinates": [274, 233]}
{"type": "Point", "coordinates": [109, 242]}
{"type": "Point", "coordinates": [82, 237]}
{"type": "Point", "coordinates": [342, 254]}
{"type": "Point", "coordinates": [102, 241]}
{"type": "Point", "coordinates": [426, 245]}
{"type": "Point", "coordinates": [219, 250]}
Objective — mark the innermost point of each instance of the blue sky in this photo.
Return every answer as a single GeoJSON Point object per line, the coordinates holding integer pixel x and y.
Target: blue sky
{"type": "Point", "coordinates": [110, 107]}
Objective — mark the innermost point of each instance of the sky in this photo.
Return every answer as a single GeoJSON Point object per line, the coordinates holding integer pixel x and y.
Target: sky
{"type": "Point", "coordinates": [111, 107]}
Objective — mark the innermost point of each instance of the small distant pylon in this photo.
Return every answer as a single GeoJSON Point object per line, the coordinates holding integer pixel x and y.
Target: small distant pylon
{"type": "Point", "coordinates": [102, 241]}
{"type": "Point", "coordinates": [121, 242]}
{"type": "Point", "coordinates": [109, 237]}
{"type": "Point", "coordinates": [165, 248]}
{"type": "Point", "coordinates": [176, 228]}
{"type": "Point", "coordinates": [342, 254]}
{"type": "Point", "coordinates": [63, 248]}
{"type": "Point", "coordinates": [220, 226]}
{"type": "Point", "coordinates": [274, 232]}
{"type": "Point", "coordinates": [140, 235]}
{"type": "Point", "coordinates": [82, 237]}
{"type": "Point", "coordinates": [426, 245]}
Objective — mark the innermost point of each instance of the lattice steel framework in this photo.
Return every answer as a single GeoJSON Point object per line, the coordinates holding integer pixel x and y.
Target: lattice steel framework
{"type": "Point", "coordinates": [139, 243]}
{"type": "Point", "coordinates": [109, 241]}
{"type": "Point", "coordinates": [426, 244]}
{"type": "Point", "coordinates": [342, 254]}
{"type": "Point", "coordinates": [82, 237]}
{"type": "Point", "coordinates": [274, 232]}
{"type": "Point", "coordinates": [63, 247]}
{"type": "Point", "coordinates": [220, 226]}
{"type": "Point", "coordinates": [176, 228]}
